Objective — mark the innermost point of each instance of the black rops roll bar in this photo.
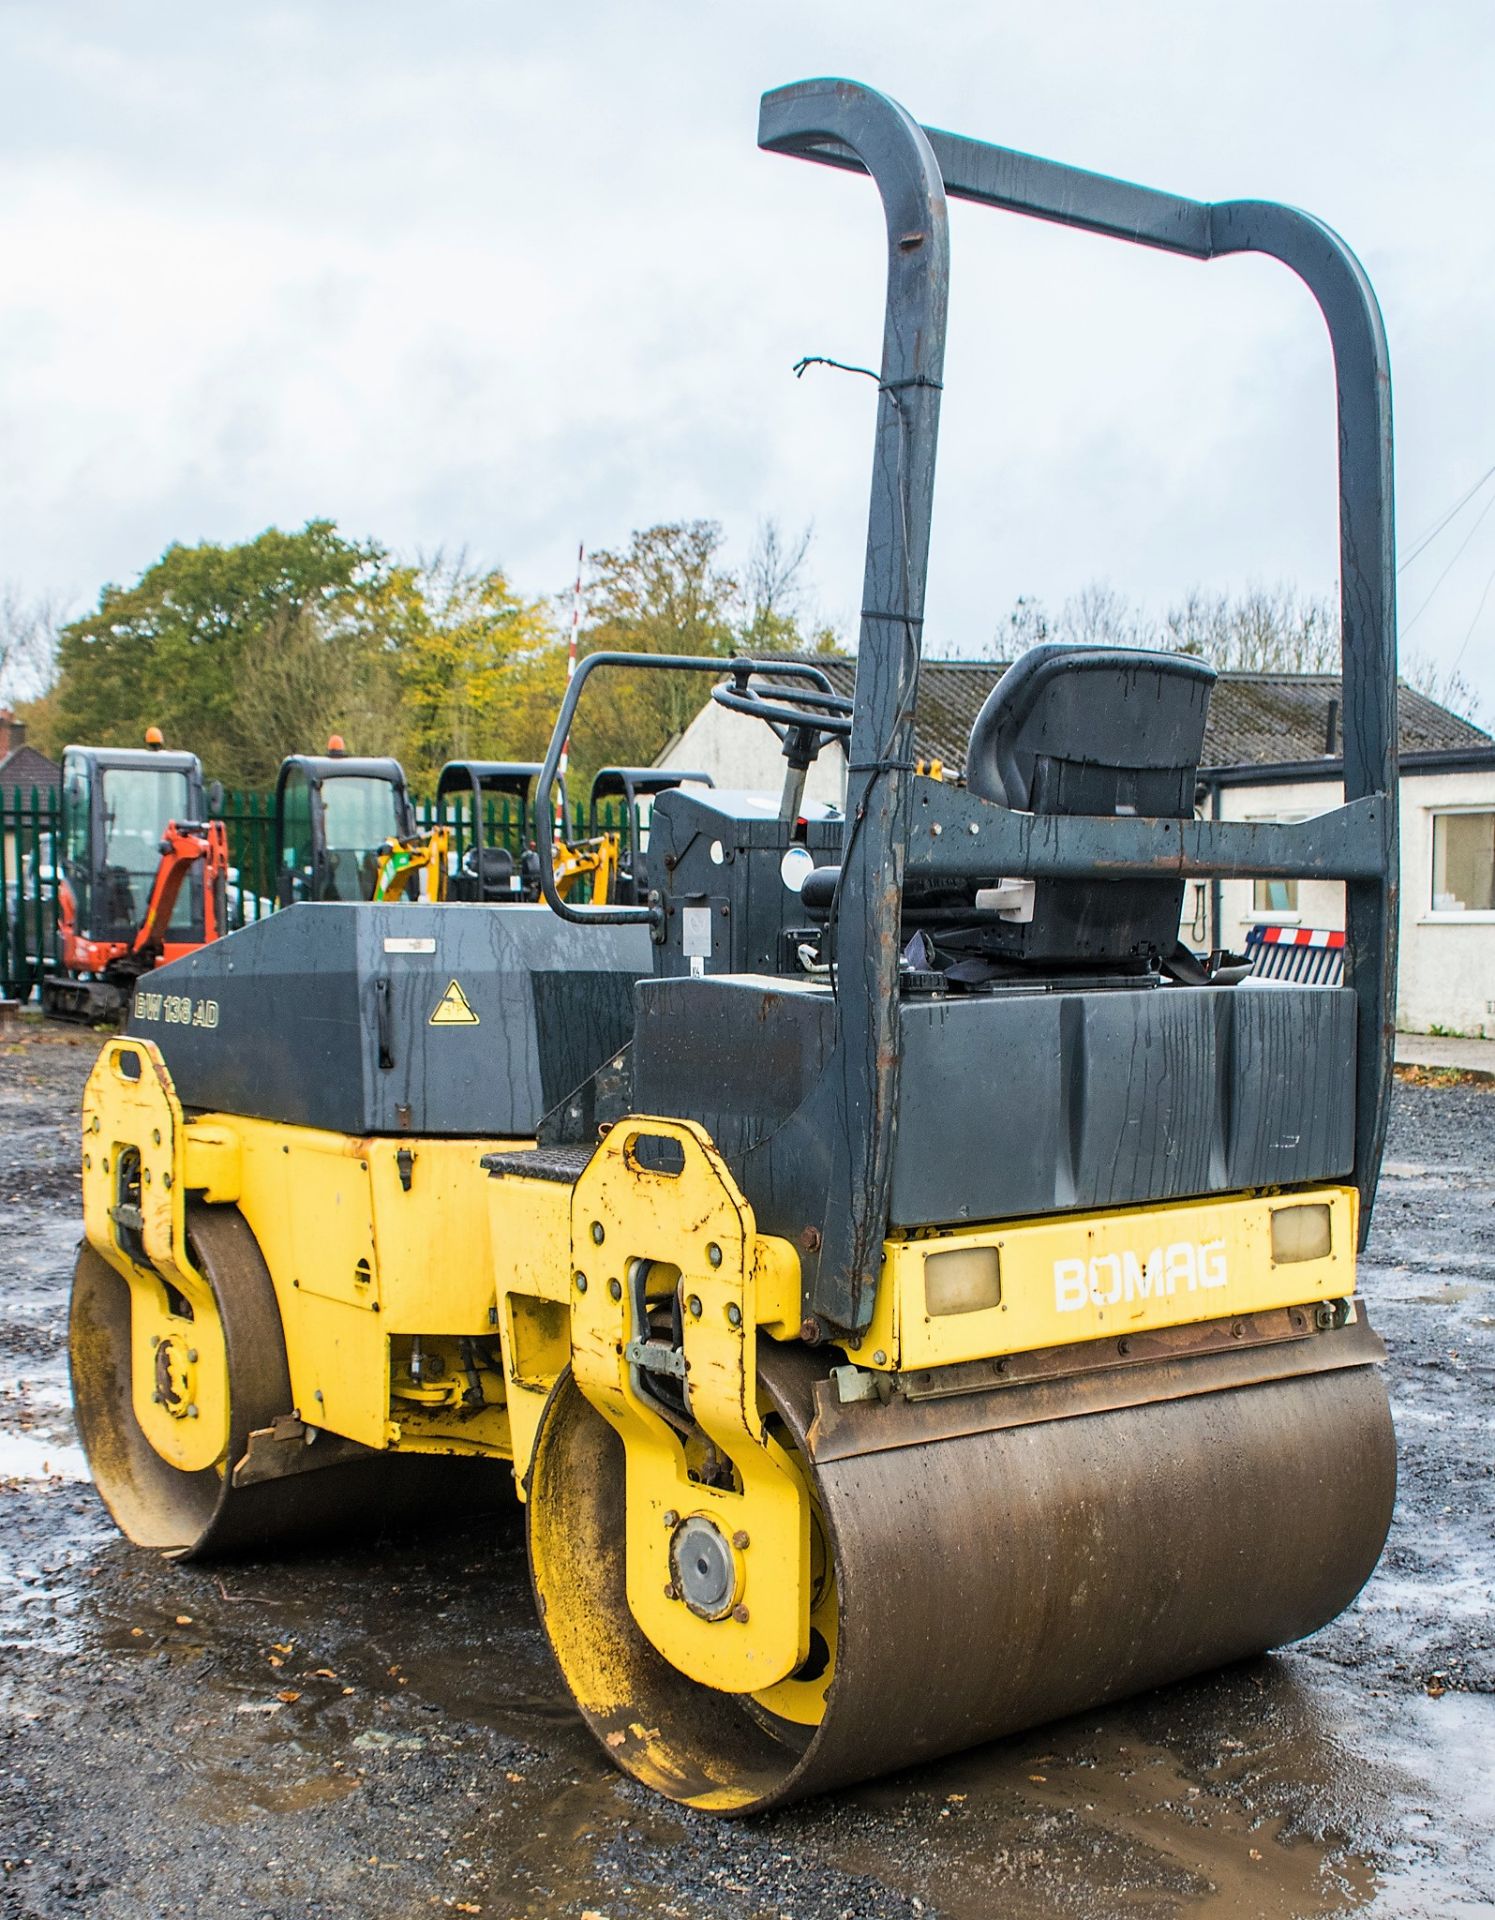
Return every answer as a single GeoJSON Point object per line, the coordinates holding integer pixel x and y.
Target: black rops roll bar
{"type": "Point", "coordinates": [633, 784]}
{"type": "Point", "coordinates": [840, 124]}
{"type": "Point", "coordinates": [670, 663]}
{"type": "Point", "coordinates": [510, 778]}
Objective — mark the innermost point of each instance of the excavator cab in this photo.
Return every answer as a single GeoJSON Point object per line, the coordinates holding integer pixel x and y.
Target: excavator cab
{"type": "Point", "coordinates": [334, 816]}
{"type": "Point", "coordinates": [637, 788]}
{"type": "Point", "coordinates": [138, 881]}
{"type": "Point", "coordinates": [116, 803]}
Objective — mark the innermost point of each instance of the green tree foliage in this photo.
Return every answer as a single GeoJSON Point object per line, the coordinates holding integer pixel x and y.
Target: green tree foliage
{"type": "Point", "coordinates": [302, 682]}
{"type": "Point", "coordinates": [199, 646]}
{"type": "Point", "coordinates": [246, 653]}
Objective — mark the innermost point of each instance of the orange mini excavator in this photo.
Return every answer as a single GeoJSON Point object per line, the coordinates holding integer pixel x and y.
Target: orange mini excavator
{"type": "Point", "coordinates": [142, 876]}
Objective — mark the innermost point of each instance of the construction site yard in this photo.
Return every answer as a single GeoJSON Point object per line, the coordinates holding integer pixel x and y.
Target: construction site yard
{"type": "Point", "coordinates": [376, 1730]}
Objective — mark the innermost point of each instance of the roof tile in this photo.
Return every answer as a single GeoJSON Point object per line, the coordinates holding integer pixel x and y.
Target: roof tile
{"type": "Point", "coordinates": [1255, 719]}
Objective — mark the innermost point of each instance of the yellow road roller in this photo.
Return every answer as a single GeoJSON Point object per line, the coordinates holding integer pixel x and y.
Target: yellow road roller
{"type": "Point", "coordinates": [914, 1295]}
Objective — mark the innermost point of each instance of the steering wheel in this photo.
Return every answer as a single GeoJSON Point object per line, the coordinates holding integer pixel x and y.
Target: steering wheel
{"type": "Point", "coordinates": [804, 718]}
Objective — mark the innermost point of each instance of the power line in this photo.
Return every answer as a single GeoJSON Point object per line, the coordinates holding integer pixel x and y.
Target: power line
{"type": "Point", "coordinates": [1473, 624]}
{"type": "Point", "coordinates": [1408, 625]}
{"type": "Point", "coordinates": [1421, 545]}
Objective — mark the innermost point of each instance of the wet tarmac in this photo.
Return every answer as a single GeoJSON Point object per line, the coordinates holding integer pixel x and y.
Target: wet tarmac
{"type": "Point", "coordinates": [376, 1732]}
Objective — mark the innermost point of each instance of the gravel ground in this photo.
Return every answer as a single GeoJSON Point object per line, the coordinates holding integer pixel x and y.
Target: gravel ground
{"type": "Point", "coordinates": [377, 1732]}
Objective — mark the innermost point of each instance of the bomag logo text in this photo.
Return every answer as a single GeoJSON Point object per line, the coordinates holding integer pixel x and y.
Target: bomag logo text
{"type": "Point", "coordinates": [1114, 1279]}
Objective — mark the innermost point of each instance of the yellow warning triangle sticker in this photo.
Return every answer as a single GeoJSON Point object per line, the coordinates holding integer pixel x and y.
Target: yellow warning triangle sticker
{"type": "Point", "coordinates": [452, 1009]}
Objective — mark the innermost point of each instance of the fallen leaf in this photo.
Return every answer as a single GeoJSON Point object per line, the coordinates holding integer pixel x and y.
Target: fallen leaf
{"type": "Point", "coordinates": [289, 1647]}
{"type": "Point", "coordinates": [323, 1673]}
{"type": "Point", "coordinates": [137, 1631]}
{"type": "Point", "coordinates": [276, 1661]}
{"type": "Point", "coordinates": [350, 1689]}
{"type": "Point", "coordinates": [288, 1695]}
{"type": "Point", "coordinates": [616, 1739]}
{"type": "Point", "coordinates": [1255, 1853]}
{"type": "Point", "coordinates": [1041, 1778]}
{"type": "Point", "coordinates": [184, 1619]}
{"type": "Point", "coordinates": [955, 1798]}
{"type": "Point", "coordinates": [471, 1906]}
{"type": "Point", "coordinates": [1435, 1691]}
{"type": "Point", "coordinates": [513, 1776]}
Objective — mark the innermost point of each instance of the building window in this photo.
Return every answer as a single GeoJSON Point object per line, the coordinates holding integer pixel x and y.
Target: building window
{"type": "Point", "coordinates": [1275, 899]}
{"type": "Point", "coordinates": [1464, 863]}
{"type": "Point", "coordinates": [1274, 896]}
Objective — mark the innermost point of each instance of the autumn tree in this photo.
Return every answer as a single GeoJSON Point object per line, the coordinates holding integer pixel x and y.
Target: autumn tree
{"type": "Point", "coordinates": [248, 652]}
{"type": "Point", "coordinates": [670, 591]}
{"type": "Point", "coordinates": [480, 668]}
{"type": "Point", "coordinates": [666, 592]}
{"type": "Point", "coordinates": [305, 680]}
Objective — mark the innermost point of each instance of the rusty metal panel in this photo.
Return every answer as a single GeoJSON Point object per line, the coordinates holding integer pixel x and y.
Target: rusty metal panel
{"type": "Point", "coordinates": [1078, 1386]}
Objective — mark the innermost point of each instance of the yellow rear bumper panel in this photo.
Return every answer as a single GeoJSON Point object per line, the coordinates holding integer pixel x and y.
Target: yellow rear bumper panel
{"type": "Point", "coordinates": [950, 1297]}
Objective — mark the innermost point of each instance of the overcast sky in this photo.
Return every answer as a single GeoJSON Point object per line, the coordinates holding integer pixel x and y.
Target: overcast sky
{"type": "Point", "coordinates": [512, 277]}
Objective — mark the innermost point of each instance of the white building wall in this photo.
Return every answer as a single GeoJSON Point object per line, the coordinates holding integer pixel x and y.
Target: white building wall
{"type": "Point", "coordinates": [1446, 975]}
{"type": "Point", "coordinates": [744, 754]}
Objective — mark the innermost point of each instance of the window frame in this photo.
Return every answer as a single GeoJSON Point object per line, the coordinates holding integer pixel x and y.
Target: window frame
{"type": "Point", "coordinates": [1430, 915]}
{"type": "Point", "coordinates": [1256, 916]}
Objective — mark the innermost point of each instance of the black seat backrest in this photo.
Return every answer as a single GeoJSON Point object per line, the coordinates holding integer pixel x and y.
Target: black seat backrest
{"type": "Point", "coordinates": [1093, 730]}
{"type": "Point", "coordinates": [496, 871]}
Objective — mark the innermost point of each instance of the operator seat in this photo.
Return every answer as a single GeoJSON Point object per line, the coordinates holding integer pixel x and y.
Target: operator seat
{"type": "Point", "coordinates": [1093, 730]}
{"type": "Point", "coordinates": [493, 868]}
{"type": "Point", "coordinates": [118, 890]}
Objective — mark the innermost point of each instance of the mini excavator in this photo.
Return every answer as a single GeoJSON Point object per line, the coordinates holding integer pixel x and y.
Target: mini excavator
{"type": "Point", "coordinates": [915, 1302]}
{"type": "Point", "coordinates": [144, 874]}
{"type": "Point", "coordinates": [612, 864]}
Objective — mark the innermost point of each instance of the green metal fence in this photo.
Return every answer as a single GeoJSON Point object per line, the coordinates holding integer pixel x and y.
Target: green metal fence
{"type": "Point", "coordinates": [28, 887]}
{"type": "Point", "coordinates": [30, 832]}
